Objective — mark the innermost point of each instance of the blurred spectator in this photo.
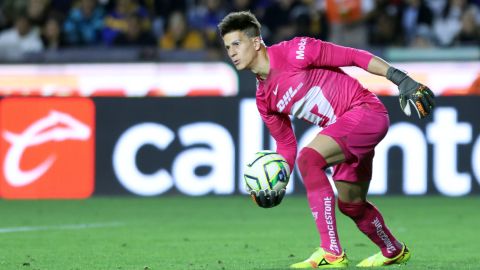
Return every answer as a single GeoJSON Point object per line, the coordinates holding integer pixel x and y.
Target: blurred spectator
{"type": "Point", "coordinates": [260, 7]}
{"type": "Point", "coordinates": [84, 24]}
{"type": "Point", "coordinates": [436, 6]}
{"type": "Point", "coordinates": [37, 11]}
{"type": "Point", "coordinates": [179, 36]}
{"type": "Point", "coordinates": [51, 33]}
{"type": "Point", "coordinates": [309, 20]}
{"type": "Point", "coordinates": [20, 39]}
{"type": "Point", "coordinates": [302, 23]}
{"type": "Point", "coordinates": [448, 26]}
{"type": "Point", "coordinates": [160, 10]}
{"type": "Point", "coordinates": [415, 14]}
{"type": "Point", "coordinates": [470, 28]}
{"type": "Point", "coordinates": [347, 21]}
{"type": "Point", "coordinates": [135, 35]}
{"type": "Point", "coordinates": [279, 21]}
{"type": "Point", "coordinates": [383, 24]}
{"type": "Point", "coordinates": [10, 8]}
{"type": "Point", "coordinates": [192, 24]}
{"type": "Point", "coordinates": [205, 17]}
{"type": "Point", "coordinates": [384, 32]}
{"type": "Point", "coordinates": [423, 37]}
{"type": "Point", "coordinates": [207, 14]}
{"type": "Point", "coordinates": [116, 21]}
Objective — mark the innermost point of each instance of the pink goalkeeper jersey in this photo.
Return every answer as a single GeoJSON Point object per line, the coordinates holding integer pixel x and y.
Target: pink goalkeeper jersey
{"type": "Point", "coordinates": [305, 81]}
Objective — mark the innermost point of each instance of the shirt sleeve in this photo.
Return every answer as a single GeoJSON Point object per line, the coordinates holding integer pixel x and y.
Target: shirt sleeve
{"type": "Point", "coordinates": [280, 128]}
{"type": "Point", "coordinates": [326, 54]}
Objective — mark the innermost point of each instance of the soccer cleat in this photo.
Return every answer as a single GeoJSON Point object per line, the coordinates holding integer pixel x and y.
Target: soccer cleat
{"type": "Point", "coordinates": [322, 259]}
{"type": "Point", "coordinates": [380, 260]}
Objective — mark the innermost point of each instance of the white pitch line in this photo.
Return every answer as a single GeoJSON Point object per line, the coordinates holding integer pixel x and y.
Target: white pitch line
{"type": "Point", "coordinates": [59, 227]}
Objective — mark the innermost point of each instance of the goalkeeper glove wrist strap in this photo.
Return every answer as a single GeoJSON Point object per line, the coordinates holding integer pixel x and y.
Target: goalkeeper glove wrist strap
{"type": "Point", "coordinates": [404, 82]}
{"type": "Point", "coordinates": [396, 75]}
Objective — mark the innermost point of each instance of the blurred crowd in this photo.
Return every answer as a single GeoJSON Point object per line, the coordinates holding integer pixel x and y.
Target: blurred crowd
{"type": "Point", "coordinates": [28, 26]}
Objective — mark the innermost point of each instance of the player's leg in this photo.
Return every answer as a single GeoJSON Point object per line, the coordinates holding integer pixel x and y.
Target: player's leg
{"type": "Point", "coordinates": [357, 130]}
{"type": "Point", "coordinates": [368, 128]}
{"type": "Point", "coordinates": [353, 203]}
{"type": "Point", "coordinates": [312, 160]}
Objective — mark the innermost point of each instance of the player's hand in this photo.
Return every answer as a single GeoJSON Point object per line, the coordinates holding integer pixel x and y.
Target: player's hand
{"type": "Point", "coordinates": [267, 198]}
{"type": "Point", "coordinates": [412, 93]}
{"type": "Point", "coordinates": [421, 98]}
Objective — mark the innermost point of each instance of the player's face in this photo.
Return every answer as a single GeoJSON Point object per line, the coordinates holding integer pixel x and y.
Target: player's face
{"type": "Point", "coordinates": [241, 49]}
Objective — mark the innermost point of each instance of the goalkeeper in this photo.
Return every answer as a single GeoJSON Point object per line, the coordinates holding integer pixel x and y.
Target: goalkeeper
{"type": "Point", "coordinates": [302, 78]}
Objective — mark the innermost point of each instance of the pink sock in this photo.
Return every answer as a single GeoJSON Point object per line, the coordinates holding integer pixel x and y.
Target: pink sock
{"type": "Point", "coordinates": [371, 223]}
{"type": "Point", "coordinates": [320, 198]}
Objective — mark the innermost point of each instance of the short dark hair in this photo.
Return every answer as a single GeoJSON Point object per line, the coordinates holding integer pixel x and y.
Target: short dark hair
{"type": "Point", "coordinates": [243, 21]}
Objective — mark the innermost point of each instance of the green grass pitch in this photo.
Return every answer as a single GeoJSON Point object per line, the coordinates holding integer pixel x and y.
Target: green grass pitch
{"type": "Point", "coordinates": [176, 232]}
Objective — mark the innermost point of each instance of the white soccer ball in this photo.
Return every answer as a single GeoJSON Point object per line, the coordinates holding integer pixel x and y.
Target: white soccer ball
{"type": "Point", "coordinates": [267, 170]}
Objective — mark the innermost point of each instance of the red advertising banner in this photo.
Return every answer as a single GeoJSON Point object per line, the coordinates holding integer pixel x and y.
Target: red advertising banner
{"type": "Point", "coordinates": [47, 148]}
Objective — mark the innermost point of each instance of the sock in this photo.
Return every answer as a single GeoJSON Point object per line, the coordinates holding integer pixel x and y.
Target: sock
{"type": "Point", "coordinates": [371, 223]}
{"type": "Point", "coordinates": [320, 198]}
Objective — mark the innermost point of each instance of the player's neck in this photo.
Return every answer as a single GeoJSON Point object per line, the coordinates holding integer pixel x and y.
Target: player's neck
{"type": "Point", "coordinates": [261, 64]}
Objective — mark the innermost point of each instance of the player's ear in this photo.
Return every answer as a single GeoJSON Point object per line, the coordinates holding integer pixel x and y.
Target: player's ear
{"type": "Point", "coordinates": [257, 42]}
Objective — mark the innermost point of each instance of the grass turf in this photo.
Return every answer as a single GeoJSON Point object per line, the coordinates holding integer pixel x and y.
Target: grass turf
{"type": "Point", "coordinates": [179, 232]}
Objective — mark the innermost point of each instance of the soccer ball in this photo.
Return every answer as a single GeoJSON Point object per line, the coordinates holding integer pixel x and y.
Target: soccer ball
{"type": "Point", "coordinates": [266, 171]}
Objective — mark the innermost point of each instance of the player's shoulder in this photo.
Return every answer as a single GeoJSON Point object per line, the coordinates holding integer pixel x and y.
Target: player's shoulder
{"type": "Point", "coordinates": [294, 50]}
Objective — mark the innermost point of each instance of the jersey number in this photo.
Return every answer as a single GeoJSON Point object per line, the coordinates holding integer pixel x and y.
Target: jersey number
{"type": "Point", "coordinates": [323, 118]}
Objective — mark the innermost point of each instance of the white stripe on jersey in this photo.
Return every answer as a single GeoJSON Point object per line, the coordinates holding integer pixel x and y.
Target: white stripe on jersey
{"type": "Point", "coordinates": [324, 114]}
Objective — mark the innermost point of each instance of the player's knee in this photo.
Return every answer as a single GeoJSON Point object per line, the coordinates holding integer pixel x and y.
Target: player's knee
{"type": "Point", "coordinates": [309, 157]}
{"type": "Point", "coordinates": [353, 210]}
{"type": "Point", "coordinates": [311, 165]}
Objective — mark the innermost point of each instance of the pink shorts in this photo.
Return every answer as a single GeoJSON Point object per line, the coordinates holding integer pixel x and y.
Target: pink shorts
{"type": "Point", "coordinates": [357, 132]}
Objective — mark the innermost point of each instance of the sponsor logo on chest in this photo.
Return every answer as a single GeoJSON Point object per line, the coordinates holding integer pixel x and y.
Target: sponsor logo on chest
{"type": "Point", "coordinates": [287, 97]}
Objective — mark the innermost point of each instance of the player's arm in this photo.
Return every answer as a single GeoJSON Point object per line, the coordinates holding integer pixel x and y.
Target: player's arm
{"type": "Point", "coordinates": [411, 92]}
{"type": "Point", "coordinates": [326, 54]}
{"type": "Point", "coordinates": [280, 128]}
